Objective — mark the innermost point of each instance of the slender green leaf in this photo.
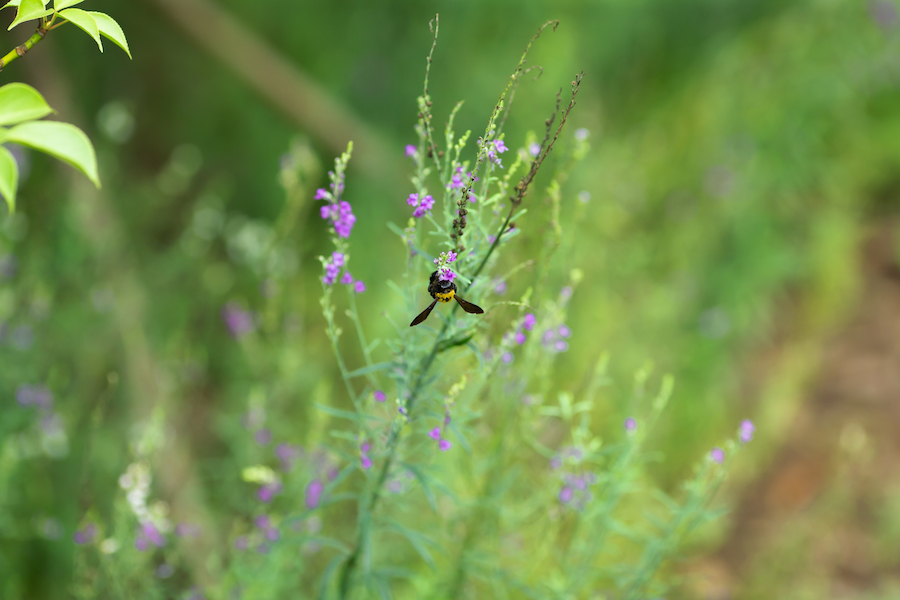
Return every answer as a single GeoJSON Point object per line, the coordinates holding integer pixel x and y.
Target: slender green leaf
{"type": "Point", "coordinates": [20, 102]}
{"type": "Point", "coordinates": [417, 539]}
{"type": "Point", "coordinates": [29, 10]}
{"type": "Point", "coordinates": [111, 30]}
{"type": "Point", "coordinates": [9, 178]}
{"type": "Point", "coordinates": [17, 2]}
{"type": "Point", "coordinates": [61, 4]}
{"type": "Point", "coordinates": [85, 21]}
{"type": "Point", "coordinates": [370, 369]}
{"type": "Point", "coordinates": [62, 140]}
{"type": "Point", "coordinates": [325, 582]}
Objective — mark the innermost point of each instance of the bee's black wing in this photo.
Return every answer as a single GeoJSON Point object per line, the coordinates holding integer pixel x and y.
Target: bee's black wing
{"type": "Point", "coordinates": [424, 314]}
{"type": "Point", "coordinates": [468, 306]}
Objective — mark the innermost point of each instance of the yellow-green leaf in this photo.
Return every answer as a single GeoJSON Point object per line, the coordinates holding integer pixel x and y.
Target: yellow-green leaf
{"type": "Point", "coordinates": [62, 140]}
{"type": "Point", "coordinates": [20, 102]}
{"type": "Point", "coordinates": [61, 4]}
{"type": "Point", "coordinates": [9, 178]}
{"type": "Point", "coordinates": [17, 2]}
{"type": "Point", "coordinates": [85, 21]}
{"type": "Point", "coordinates": [28, 11]}
{"type": "Point", "coordinates": [111, 30]}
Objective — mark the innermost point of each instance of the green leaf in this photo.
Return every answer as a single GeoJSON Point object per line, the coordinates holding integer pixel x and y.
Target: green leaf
{"type": "Point", "coordinates": [9, 178]}
{"type": "Point", "coordinates": [370, 369]}
{"type": "Point", "coordinates": [17, 2]}
{"type": "Point", "coordinates": [111, 30]}
{"type": "Point", "coordinates": [61, 4]}
{"type": "Point", "coordinates": [20, 102]}
{"type": "Point", "coordinates": [28, 11]}
{"type": "Point", "coordinates": [417, 539]}
{"type": "Point", "coordinates": [85, 21]}
{"type": "Point", "coordinates": [62, 140]}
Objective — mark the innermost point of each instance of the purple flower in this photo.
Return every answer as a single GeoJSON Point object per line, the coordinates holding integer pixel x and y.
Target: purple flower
{"type": "Point", "coordinates": [268, 491]}
{"type": "Point", "coordinates": [435, 433]}
{"type": "Point", "coordinates": [445, 445]}
{"type": "Point", "coordinates": [410, 150]}
{"type": "Point", "coordinates": [325, 211]}
{"type": "Point", "coordinates": [287, 455]}
{"type": "Point", "coordinates": [262, 521]}
{"type": "Point", "coordinates": [403, 412]}
{"type": "Point", "coordinates": [500, 287]}
{"type": "Point", "coordinates": [563, 331]}
{"type": "Point", "coordinates": [456, 182]}
{"type": "Point", "coordinates": [34, 395]}
{"type": "Point", "coordinates": [413, 200]}
{"type": "Point", "coordinates": [561, 345]}
{"type": "Point", "coordinates": [314, 493]}
{"type": "Point", "coordinates": [379, 396]}
{"type": "Point", "coordinates": [746, 431]}
{"type": "Point", "coordinates": [347, 279]}
{"type": "Point", "coordinates": [717, 455]}
{"type": "Point", "coordinates": [365, 461]}
{"type": "Point", "coordinates": [359, 287]}
{"type": "Point", "coordinates": [496, 147]}
{"type": "Point", "coordinates": [272, 534]}
{"type": "Point", "coordinates": [520, 338]}
{"type": "Point", "coordinates": [507, 358]}
{"type": "Point", "coordinates": [149, 534]}
{"type": "Point", "coordinates": [86, 535]}
{"type": "Point", "coordinates": [239, 322]}
{"type": "Point", "coordinates": [534, 149]}
{"type": "Point", "coordinates": [263, 437]}
{"type": "Point", "coordinates": [566, 494]}
{"type": "Point", "coordinates": [423, 206]}
{"type": "Point", "coordinates": [322, 194]}
{"type": "Point", "coordinates": [343, 224]}
{"type": "Point", "coordinates": [630, 424]}
{"type": "Point", "coordinates": [529, 322]}
{"type": "Point", "coordinates": [446, 274]}
{"type": "Point", "coordinates": [337, 258]}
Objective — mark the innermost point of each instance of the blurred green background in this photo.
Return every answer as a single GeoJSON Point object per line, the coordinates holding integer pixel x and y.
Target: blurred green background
{"type": "Point", "coordinates": [741, 234]}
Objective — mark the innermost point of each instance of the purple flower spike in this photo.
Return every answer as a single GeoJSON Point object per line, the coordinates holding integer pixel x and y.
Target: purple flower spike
{"type": "Point", "coordinates": [268, 491]}
{"type": "Point", "coordinates": [337, 258]}
{"type": "Point", "coordinates": [314, 493]}
{"type": "Point", "coordinates": [445, 445]}
{"type": "Point", "coordinates": [435, 433]}
{"type": "Point", "coordinates": [630, 424]}
{"type": "Point", "coordinates": [717, 455]}
{"type": "Point", "coordinates": [86, 535]}
{"type": "Point", "coordinates": [410, 150]}
{"type": "Point", "coordinates": [347, 278]}
{"type": "Point", "coordinates": [413, 200]}
{"type": "Point", "coordinates": [359, 287]}
{"type": "Point", "coordinates": [365, 462]}
{"type": "Point", "coordinates": [563, 331]}
{"type": "Point", "coordinates": [379, 396]}
{"type": "Point", "coordinates": [520, 338]}
{"type": "Point", "coordinates": [746, 431]}
{"type": "Point", "coordinates": [566, 494]}
{"type": "Point", "coordinates": [321, 194]}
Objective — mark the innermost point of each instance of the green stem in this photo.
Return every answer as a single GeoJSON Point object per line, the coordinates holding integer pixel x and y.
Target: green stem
{"type": "Point", "coordinates": [28, 45]}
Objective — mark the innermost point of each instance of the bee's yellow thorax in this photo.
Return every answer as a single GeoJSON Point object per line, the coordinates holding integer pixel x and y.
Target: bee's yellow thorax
{"type": "Point", "coordinates": [445, 297]}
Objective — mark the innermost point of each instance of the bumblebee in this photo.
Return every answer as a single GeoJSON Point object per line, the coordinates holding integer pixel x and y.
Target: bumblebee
{"type": "Point", "coordinates": [444, 291]}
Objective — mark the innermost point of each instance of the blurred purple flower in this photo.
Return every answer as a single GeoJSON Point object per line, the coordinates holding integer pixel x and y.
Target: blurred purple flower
{"type": "Point", "coordinates": [410, 150]}
{"type": "Point", "coordinates": [717, 455]}
{"type": "Point", "coordinates": [506, 357]}
{"type": "Point", "coordinates": [149, 534]}
{"type": "Point", "coordinates": [500, 287]}
{"type": "Point", "coordinates": [379, 396]}
{"type": "Point", "coordinates": [287, 454]}
{"type": "Point", "coordinates": [267, 491]}
{"type": "Point", "coordinates": [746, 431]}
{"type": "Point", "coordinates": [262, 521]}
{"type": "Point", "coordinates": [241, 542]}
{"type": "Point", "coordinates": [359, 287]}
{"type": "Point", "coordinates": [630, 424]}
{"type": "Point", "coordinates": [563, 331]}
{"type": "Point", "coordinates": [322, 194]}
{"type": "Point", "coordinates": [272, 534]}
{"type": "Point", "coordinates": [534, 149]}
{"type": "Point", "coordinates": [263, 437]}
{"type": "Point", "coordinates": [365, 462]}
{"type": "Point", "coordinates": [239, 321]}
{"type": "Point", "coordinates": [422, 206]}
{"type": "Point", "coordinates": [435, 433]}
{"type": "Point", "coordinates": [520, 338]}
{"type": "Point", "coordinates": [529, 322]}
{"type": "Point", "coordinates": [347, 278]}
{"type": "Point", "coordinates": [445, 445]}
{"type": "Point", "coordinates": [566, 494]}
{"type": "Point", "coordinates": [85, 535]}
{"type": "Point", "coordinates": [314, 493]}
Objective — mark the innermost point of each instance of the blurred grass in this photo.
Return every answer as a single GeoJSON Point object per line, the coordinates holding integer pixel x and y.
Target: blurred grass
{"type": "Point", "coordinates": [738, 148]}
